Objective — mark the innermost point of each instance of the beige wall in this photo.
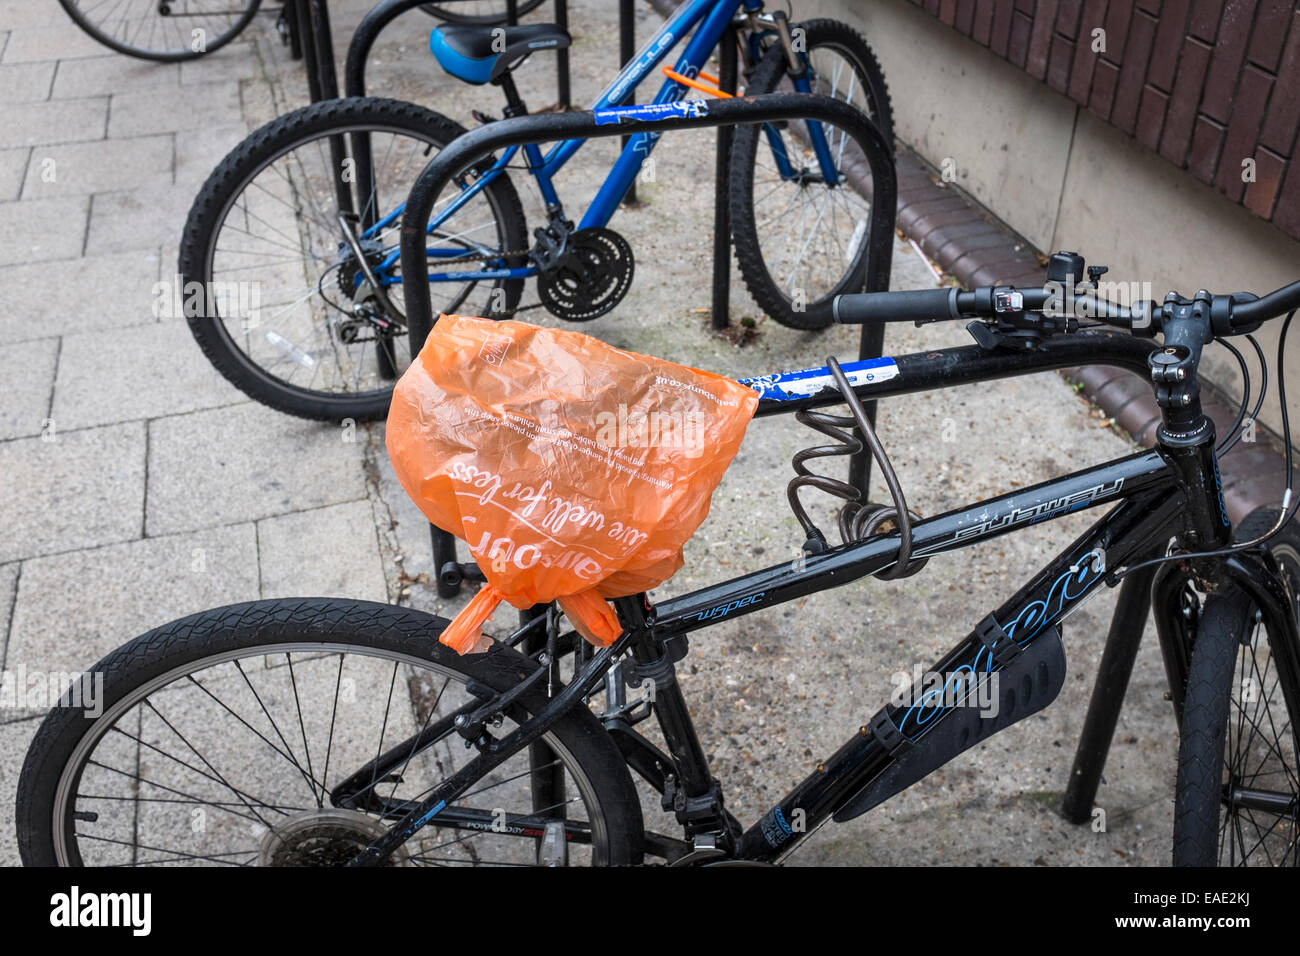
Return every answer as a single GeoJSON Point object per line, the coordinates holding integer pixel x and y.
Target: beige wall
{"type": "Point", "coordinates": [1064, 179]}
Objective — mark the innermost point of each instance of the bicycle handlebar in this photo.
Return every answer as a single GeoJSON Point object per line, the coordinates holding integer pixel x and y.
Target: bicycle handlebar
{"type": "Point", "coordinates": [1234, 314]}
{"type": "Point", "coordinates": [1255, 312]}
{"type": "Point", "coordinates": [984, 302]}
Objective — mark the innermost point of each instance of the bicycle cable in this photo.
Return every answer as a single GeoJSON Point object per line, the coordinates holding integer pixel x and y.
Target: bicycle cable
{"type": "Point", "coordinates": [1230, 434]}
{"type": "Point", "coordinates": [1288, 506]}
{"type": "Point", "coordinates": [1236, 431]}
{"type": "Point", "coordinates": [858, 519]}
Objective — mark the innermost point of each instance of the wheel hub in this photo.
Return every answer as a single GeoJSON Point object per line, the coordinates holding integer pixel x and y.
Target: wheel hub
{"type": "Point", "coordinates": [326, 837]}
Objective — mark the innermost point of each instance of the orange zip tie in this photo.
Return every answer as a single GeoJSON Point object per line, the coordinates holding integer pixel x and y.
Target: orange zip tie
{"type": "Point", "coordinates": [694, 84]}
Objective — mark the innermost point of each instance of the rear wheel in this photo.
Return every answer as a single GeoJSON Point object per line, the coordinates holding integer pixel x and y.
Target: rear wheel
{"type": "Point", "coordinates": [162, 30]}
{"type": "Point", "coordinates": [801, 241]}
{"type": "Point", "coordinates": [249, 735]}
{"type": "Point", "coordinates": [477, 12]}
{"type": "Point", "coordinates": [1238, 791]}
{"type": "Point", "coordinates": [288, 312]}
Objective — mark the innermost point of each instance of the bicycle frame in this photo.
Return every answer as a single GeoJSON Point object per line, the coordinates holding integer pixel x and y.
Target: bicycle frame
{"type": "Point", "coordinates": [1150, 502]}
{"type": "Point", "coordinates": [712, 17]}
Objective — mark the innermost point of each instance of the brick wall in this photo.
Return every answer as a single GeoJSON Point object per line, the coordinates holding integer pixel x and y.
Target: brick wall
{"type": "Point", "coordinates": [1205, 83]}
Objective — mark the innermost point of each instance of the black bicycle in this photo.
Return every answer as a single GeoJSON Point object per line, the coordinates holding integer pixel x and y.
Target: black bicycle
{"type": "Point", "coordinates": [317, 731]}
{"type": "Point", "coordinates": [168, 31]}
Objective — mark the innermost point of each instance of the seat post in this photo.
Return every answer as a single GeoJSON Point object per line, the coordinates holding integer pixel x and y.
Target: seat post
{"type": "Point", "coordinates": [514, 104]}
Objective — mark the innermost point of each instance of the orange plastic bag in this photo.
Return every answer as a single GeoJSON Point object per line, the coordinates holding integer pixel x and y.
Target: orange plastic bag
{"type": "Point", "coordinates": [574, 470]}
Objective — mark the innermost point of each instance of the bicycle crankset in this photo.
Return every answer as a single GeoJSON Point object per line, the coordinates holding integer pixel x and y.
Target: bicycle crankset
{"type": "Point", "coordinates": [591, 279]}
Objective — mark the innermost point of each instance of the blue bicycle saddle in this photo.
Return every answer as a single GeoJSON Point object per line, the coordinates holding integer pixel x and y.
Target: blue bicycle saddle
{"type": "Point", "coordinates": [482, 54]}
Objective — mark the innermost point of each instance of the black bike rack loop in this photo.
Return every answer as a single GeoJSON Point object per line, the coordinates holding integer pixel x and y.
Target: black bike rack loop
{"type": "Point", "coordinates": [478, 144]}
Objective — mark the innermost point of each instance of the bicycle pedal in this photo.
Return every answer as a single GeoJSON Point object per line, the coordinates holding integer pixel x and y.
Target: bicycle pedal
{"type": "Point", "coordinates": [482, 117]}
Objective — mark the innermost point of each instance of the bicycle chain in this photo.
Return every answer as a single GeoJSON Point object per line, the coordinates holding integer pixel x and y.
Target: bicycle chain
{"type": "Point", "coordinates": [486, 256]}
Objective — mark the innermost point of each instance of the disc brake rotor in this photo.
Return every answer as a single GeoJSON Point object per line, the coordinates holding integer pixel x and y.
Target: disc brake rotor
{"type": "Point", "coordinates": [593, 278]}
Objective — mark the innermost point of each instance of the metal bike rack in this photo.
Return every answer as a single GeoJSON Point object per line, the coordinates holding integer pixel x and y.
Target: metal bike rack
{"type": "Point", "coordinates": [774, 107]}
{"type": "Point", "coordinates": [309, 23]}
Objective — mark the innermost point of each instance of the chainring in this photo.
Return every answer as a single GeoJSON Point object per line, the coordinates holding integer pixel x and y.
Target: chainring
{"type": "Point", "coordinates": [591, 280]}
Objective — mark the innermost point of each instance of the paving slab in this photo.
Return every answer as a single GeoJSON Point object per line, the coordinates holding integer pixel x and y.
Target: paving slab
{"type": "Point", "coordinates": [243, 463]}
{"type": "Point", "coordinates": [143, 371]}
{"type": "Point", "coordinates": [43, 229]}
{"type": "Point", "coordinates": [113, 164]}
{"type": "Point", "coordinates": [241, 60]}
{"type": "Point", "coordinates": [71, 489]}
{"type": "Point", "coordinates": [27, 369]}
{"type": "Point", "coordinates": [68, 121]}
{"type": "Point", "coordinates": [199, 151]}
{"type": "Point", "coordinates": [114, 72]}
{"type": "Point", "coordinates": [8, 588]}
{"type": "Point", "coordinates": [143, 218]}
{"type": "Point", "coordinates": [326, 552]}
{"type": "Point", "coordinates": [62, 42]}
{"type": "Point", "coordinates": [24, 13]}
{"type": "Point", "coordinates": [15, 737]}
{"type": "Point", "coordinates": [74, 608]}
{"type": "Point", "coordinates": [79, 295]}
{"type": "Point", "coordinates": [24, 82]}
{"type": "Point", "coordinates": [13, 164]}
{"type": "Point", "coordinates": [166, 111]}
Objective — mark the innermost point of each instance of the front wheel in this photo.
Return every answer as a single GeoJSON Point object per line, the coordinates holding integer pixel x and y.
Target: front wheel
{"type": "Point", "coordinates": [800, 239]}
{"type": "Point", "coordinates": [293, 733]}
{"type": "Point", "coordinates": [1238, 790]}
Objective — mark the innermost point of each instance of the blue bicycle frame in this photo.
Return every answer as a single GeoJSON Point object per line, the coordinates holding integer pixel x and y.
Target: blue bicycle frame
{"type": "Point", "coordinates": [713, 18]}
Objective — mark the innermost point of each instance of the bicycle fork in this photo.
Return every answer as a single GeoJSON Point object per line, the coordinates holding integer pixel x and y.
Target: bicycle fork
{"type": "Point", "coordinates": [799, 72]}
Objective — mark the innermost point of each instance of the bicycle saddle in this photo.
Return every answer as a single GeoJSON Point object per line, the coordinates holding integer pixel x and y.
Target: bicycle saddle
{"type": "Point", "coordinates": [483, 54]}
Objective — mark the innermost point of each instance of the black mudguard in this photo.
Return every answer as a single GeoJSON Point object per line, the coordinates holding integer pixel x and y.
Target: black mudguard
{"type": "Point", "coordinates": [1026, 685]}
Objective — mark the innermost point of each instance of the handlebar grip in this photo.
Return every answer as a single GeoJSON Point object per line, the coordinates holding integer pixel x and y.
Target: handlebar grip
{"type": "Point", "coordinates": [917, 305]}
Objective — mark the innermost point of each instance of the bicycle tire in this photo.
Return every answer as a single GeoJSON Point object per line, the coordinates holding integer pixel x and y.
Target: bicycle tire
{"type": "Point", "coordinates": [316, 622]}
{"type": "Point", "coordinates": [160, 56]}
{"type": "Point", "coordinates": [1206, 824]}
{"type": "Point", "coordinates": [772, 299]}
{"type": "Point", "coordinates": [256, 153]}
{"type": "Point", "coordinates": [450, 15]}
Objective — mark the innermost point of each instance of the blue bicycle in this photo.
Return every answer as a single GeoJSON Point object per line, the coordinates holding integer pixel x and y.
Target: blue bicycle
{"type": "Point", "coordinates": [289, 260]}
